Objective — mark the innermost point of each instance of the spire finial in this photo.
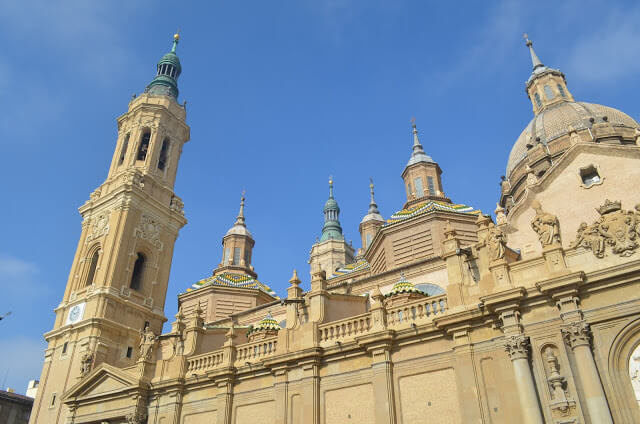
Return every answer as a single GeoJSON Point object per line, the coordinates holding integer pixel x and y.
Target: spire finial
{"type": "Point", "coordinates": [534, 57]}
{"type": "Point", "coordinates": [371, 189]}
{"type": "Point", "coordinates": [330, 186]}
{"type": "Point", "coordinates": [240, 218]}
{"type": "Point", "coordinates": [176, 39]}
{"type": "Point", "coordinates": [416, 141]}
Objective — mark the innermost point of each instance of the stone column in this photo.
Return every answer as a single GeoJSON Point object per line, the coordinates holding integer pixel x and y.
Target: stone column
{"type": "Point", "coordinates": [224, 399]}
{"type": "Point", "coordinates": [517, 346]}
{"type": "Point", "coordinates": [578, 337]}
{"type": "Point", "coordinates": [382, 367]}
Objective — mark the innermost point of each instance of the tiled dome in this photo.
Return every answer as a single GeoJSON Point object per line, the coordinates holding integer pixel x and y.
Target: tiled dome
{"type": "Point", "coordinates": [556, 121]}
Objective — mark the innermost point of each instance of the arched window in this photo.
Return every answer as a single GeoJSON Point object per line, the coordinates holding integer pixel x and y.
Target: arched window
{"type": "Point", "coordinates": [138, 271]}
{"type": "Point", "coordinates": [123, 152]}
{"type": "Point", "coordinates": [162, 159]}
{"type": "Point", "coordinates": [144, 145]}
{"type": "Point", "coordinates": [548, 92]}
{"type": "Point", "coordinates": [538, 101]}
{"type": "Point", "coordinates": [92, 267]}
{"type": "Point", "coordinates": [409, 190]}
{"type": "Point", "coordinates": [368, 240]}
{"type": "Point", "coordinates": [561, 91]}
{"type": "Point", "coordinates": [430, 289]}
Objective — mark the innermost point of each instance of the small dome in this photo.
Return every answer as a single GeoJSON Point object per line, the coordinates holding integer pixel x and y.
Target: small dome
{"type": "Point", "coordinates": [556, 121]}
{"type": "Point", "coordinates": [267, 323]}
{"type": "Point", "coordinates": [172, 59]}
{"type": "Point", "coordinates": [372, 217]}
{"type": "Point", "coordinates": [331, 204]}
{"type": "Point", "coordinates": [238, 230]}
{"type": "Point", "coordinates": [419, 156]}
{"type": "Point", "coordinates": [404, 286]}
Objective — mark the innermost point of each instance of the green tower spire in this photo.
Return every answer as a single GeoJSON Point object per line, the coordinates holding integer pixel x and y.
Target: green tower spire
{"type": "Point", "coordinates": [165, 82]}
{"type": "Point", "coordinates": [331, 229]}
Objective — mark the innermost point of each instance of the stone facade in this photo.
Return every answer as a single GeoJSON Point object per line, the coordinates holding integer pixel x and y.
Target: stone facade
{"type": "Point", "coordinates": [534, 318]}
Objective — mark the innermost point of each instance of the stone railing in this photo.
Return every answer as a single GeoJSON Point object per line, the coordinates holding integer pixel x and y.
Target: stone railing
{"type": "Point", "coordinates": [249, 352]}
{"type": "Point", "coordinates": [418, 310]}
{"type": "Point", "coordinates": [346, 328]}
{"type": "Point", "coordinates": [205, 362]}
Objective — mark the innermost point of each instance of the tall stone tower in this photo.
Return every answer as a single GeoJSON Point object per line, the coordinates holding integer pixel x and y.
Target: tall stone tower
{"type": "Point", "coordinates": [120, 272]}
{"type": "Point", "coordinates": [331, 251]}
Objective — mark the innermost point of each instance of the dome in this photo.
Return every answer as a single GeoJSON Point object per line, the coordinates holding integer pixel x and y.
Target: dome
{"type": "Point", "coordinates": [238, 230]}
{"type": "Point", "coordinates": [171, 59]}
{"type": "Point", "coordinates": [556, 121]}
{"type": "Point", "coordinates": [267, 323]}
{"type": "Point", "coordinates": [404, 286]}
{"type": "Point", "coordinates": [331, 204]}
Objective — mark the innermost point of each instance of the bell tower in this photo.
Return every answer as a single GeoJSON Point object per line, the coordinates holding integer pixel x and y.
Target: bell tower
{"type": "Point", "coordinates": [118, 280]}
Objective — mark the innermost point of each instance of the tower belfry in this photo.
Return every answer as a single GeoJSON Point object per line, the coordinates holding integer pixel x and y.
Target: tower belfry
{"type": "Point", "coordinates": [119, 276]}
{"type": "Point", "coordinates": [331, 251]}
{"type": "Point", "coordinates": [422, 175]}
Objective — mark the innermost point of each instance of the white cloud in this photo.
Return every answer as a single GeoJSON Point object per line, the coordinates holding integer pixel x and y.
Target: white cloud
{"type": "Point", "coordinates": [21, 360]}
{"type": "Point", "coordinates": [20, 282]}
{"type": "Point", "coordinates": [84, 33]}
{"type": "Point", "coordinates": [610, 50]}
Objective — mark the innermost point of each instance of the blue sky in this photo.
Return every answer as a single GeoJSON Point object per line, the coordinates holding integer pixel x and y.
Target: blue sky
{"type": "Point", "coordinates": [280, 95]}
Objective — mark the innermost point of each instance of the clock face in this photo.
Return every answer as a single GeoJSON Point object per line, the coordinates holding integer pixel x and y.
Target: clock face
{"type": "Point", "coordinates": [75, 313]}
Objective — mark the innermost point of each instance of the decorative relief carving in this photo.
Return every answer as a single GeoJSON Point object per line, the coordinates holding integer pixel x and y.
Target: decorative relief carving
{"type": "Point", "coordinates": [177, 205]}
{"type": "Point", "coordinates": [136, 418]}
{"type": "Point", "coordinates": [501, 217]}
{"type": "Point", "coordinates": [617, 228]}
{"type": "Point", "coordinates": [99, 226]}
{"type": "Point", "coordinates": [86, 364]}
{"type": "Point", "coordinates": [134, 178]}
{"type": "Point", "coordinates": [95, 194]}
{"type": "Point", "coordinates": [517, 346]}
{"type": "Point", "coordinates": [531, 176]}
{"type": "Point", "coordinates": [557, 383]}
{"type": "Point", "coordinates": [147, 341]}
{"type": "Point", "coordinates": [496, 242]}
{"type": "Point", "coordinates": [577, 334]}
{"type": "Point", "coordinates": [546, 225]}
{"type": "Point", "coordinates": [149, 229]}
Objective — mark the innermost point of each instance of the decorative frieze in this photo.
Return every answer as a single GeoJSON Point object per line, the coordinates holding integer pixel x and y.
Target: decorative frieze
{"type": "Point", "coordinates": [616, 229]}
{"type": "Point", "coordinates": [517, 346]}
{"type": "Point", "coordinates": [577, 334]}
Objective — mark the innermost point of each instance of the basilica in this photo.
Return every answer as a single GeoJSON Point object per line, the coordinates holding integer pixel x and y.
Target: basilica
{"type": "Point", "coordinates": [443, 314]}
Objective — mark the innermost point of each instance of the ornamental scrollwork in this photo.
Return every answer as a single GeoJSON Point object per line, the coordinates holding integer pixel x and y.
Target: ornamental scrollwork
{"type": "Point", "coordinates": [577, 334]}
{"type": "Point", "coordinates": [149, 229]}
{"type": "Point", "coordinates": [517, 346]}
{"type": "Point", "coordinates": [546, 225]}
{"type": "Point", "coordinates": [99, 226]}
{"type": "Point", "coordinates": [616, 228]}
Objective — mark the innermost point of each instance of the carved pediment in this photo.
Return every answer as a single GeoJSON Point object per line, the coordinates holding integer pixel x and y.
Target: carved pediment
{"type": "Point", "coordinates": [103, 380]}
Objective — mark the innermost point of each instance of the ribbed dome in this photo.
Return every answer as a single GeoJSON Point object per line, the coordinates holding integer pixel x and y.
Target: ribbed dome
{"type": "Point", "coordinates": [556, 121]}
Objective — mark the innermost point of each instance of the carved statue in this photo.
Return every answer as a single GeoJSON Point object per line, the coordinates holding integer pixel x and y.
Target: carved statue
{"type": "Point", "coordinates": [546, 225]}
{"type": "Point", "coordinates": [147, 341]}
{"type": "Point", "coordinates": [86, 363]}
{"type": "Point", "coordinates": [616, 227]}
{"type": "Point", "coordinates": [495, 242]}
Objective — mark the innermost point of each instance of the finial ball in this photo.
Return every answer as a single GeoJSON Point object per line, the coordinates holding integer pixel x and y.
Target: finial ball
{"type": "Point", "coordinates": [176, 36]}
